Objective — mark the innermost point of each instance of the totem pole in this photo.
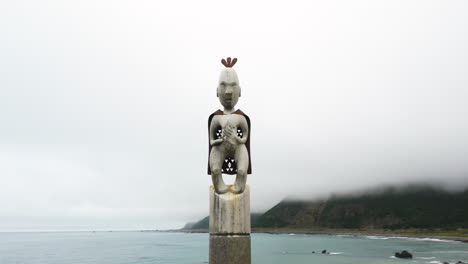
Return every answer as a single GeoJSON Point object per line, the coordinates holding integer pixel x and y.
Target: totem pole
{"type": "Point", "coordinates": [229, 153]}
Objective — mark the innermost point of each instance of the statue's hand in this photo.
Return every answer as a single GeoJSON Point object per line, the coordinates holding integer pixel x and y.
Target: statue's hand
{"type": "Point", "coordinates": [217, 141]}
{"type": "Point", "coordinates": [230, 135]}
{"type": "Point", "coordinates": [232, 141]}
{"type": "Point", "coordinates": [227, 131]}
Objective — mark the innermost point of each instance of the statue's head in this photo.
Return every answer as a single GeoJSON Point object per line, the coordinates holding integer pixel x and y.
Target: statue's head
{"type": "Point", "coordinates": [228, 90]}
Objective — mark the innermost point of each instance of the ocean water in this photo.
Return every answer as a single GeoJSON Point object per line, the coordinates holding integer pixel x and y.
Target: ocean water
{"type": "Point", "coordinates": [183, 248]}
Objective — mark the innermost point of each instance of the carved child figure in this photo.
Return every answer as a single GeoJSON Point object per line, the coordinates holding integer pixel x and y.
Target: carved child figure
{"type": "Point", "coordinates": [229, 134]}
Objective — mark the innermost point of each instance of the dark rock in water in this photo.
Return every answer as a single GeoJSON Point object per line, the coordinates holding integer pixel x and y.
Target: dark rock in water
{"type": "Point", "coordinates": [404, 254]}
{"type": "Point", "coordinates": [313, 251]}
{"type": "Point", "coordinates": [461, 262]}
{"type": "Point", "coordinates": [324, 251]}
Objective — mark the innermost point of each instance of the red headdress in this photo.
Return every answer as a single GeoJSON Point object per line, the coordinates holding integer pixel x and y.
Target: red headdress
{"type": "Point", "coordinates": [229, 63]}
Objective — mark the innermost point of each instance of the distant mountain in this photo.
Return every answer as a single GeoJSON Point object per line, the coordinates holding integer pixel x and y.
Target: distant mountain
{"type": "Point", "coordinates": [391, 208]}
{"type": "Point", "coordinates": [416, 206]}
{"type": "Point", "coordinates": [200, 225]}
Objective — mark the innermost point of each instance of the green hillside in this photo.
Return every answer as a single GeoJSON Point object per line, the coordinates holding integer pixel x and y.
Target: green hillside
{"type": "Point", "coordinates": [391, 208]}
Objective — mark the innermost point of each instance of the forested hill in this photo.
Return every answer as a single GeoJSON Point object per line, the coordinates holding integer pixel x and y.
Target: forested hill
{"type": "Point", "coordinates": [390, 208]}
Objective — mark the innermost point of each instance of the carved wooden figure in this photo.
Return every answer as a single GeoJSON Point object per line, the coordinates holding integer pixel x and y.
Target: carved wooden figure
{"type": "Point", "coordinates": [229, 135]}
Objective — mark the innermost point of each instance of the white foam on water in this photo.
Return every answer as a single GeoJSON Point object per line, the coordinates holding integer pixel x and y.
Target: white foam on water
{"type": "Point", "coordinates": [427, 239]}
{"type": "Point", "coordinates": [412, 238]}
{"type": "Point", "coordinates": [425, 257]}
{"type": "Point", "coordinates": [451, 252]}
{"type": "Point", "coordinates": [345, 235]}
{"type": "Point", "coordinates": [435, 262]}
{"type": "Point", "coordinates": [378, 237]}
{"type": "Point", "coordinates": [336, 253]}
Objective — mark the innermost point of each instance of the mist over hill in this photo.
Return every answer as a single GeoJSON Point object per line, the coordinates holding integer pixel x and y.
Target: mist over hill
{"type": "Point", "coordinates": [413, 206]}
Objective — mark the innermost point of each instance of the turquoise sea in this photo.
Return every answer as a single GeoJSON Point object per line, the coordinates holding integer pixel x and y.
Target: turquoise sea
{"type": "Point", "coordinates": [183, 248]}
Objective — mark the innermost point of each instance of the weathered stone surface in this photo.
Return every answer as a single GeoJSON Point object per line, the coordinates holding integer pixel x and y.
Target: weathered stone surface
{"type": "Point", "coordinates": [227, 249]}
{"type": "Point", "coordinates": [230, 212]}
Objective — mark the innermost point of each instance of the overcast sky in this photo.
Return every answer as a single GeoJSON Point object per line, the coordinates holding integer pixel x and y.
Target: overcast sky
{"type": "Point", "coordinates": [104, 104]}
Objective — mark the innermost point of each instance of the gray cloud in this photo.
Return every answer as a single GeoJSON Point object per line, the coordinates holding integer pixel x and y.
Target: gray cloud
{"type": "Point", "coordinates": [103, 105]}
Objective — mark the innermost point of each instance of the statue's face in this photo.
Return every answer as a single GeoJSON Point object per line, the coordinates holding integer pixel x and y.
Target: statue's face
{"type": "Point", "coordinates": [228, 88]}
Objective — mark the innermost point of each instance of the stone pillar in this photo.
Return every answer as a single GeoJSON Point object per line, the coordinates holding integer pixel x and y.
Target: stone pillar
{"type": "Point", "coordinates": [229, 227]}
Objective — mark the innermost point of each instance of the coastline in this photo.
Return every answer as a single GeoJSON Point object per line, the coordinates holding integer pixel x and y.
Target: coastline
{"type": "Point", "coordinates": [455, 235]}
